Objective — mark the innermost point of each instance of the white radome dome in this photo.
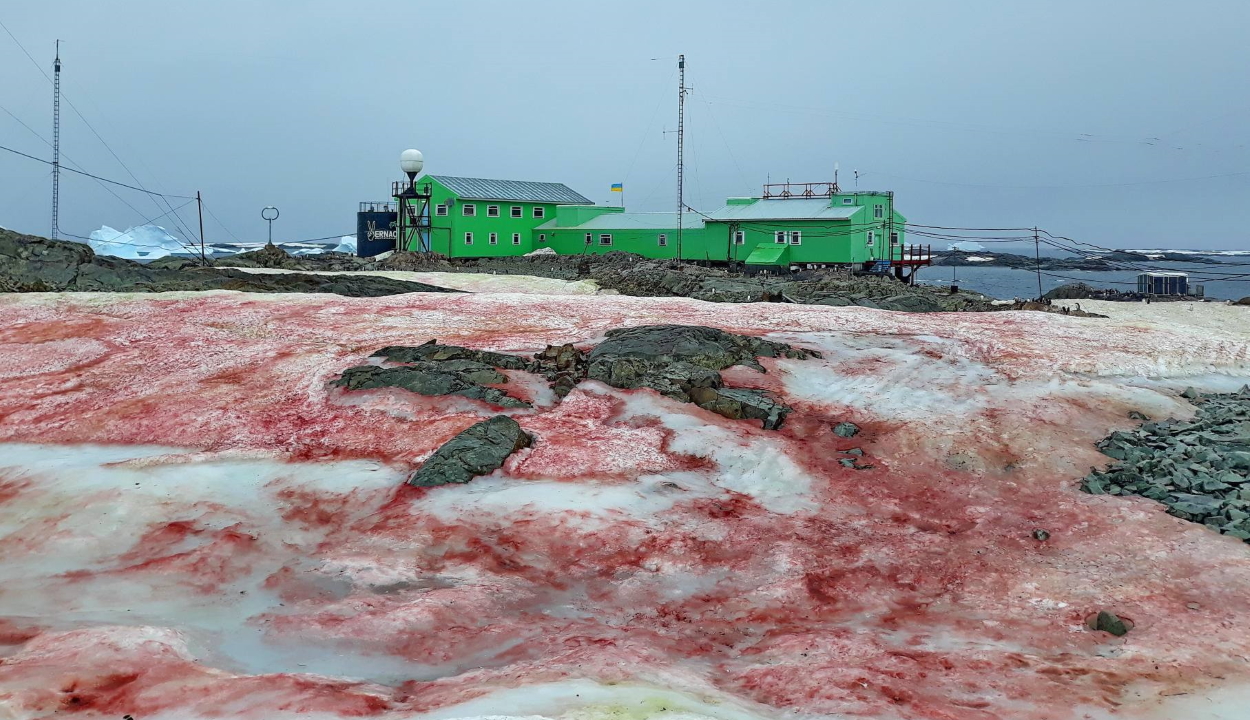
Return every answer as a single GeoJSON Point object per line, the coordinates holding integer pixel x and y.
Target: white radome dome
{"type": "Point", "coordinates": [411, 161]}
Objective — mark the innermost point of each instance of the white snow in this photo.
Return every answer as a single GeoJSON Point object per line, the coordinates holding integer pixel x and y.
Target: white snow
{"type": "Point", "coordinates": [145, 242]}
{"type": "Point", "coordinates": [978, 258]}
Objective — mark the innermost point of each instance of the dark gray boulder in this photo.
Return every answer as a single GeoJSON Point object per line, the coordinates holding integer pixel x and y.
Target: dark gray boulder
{"type": "Point", "coordinates": [432, 351]}
{"type": "Point", "coordinates": [478, 450]}
{"type": "Point", "coordinates": [433, 380]}
{"type": "Point", "coordinates": [846, 429]}
{"type": "Point", "coordinates": [564, 366]}
{"type": "Point", "coordinates": [742, 404]}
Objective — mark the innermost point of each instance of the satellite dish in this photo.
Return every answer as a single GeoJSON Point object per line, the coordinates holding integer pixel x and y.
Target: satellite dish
{"type": "Point", "coordinates": [411, 162]}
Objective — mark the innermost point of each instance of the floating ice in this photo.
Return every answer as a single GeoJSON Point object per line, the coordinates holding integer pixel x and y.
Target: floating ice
{"type": "Point", "coordinates": [965, 246]}
{"type": "Point", "coordinates": [145, 242]}
{"type": "Point", "coordinates": [347, 244]}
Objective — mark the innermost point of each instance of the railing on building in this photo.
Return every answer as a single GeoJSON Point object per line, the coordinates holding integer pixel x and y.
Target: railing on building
{"type": "Point", "coordinates": [788, 190]}
{"type": "Point", "coordinates": [379, 206]}
{"type": "Point", "coordinates": [913, 254]}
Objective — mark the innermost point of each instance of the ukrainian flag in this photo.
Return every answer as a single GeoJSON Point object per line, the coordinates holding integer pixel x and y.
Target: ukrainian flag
{"type": "Point", "coordinates": [618, 187]}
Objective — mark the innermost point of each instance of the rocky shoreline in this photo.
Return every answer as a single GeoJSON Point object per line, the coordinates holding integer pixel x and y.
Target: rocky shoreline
{"type": "Point", "coordinates": [1101, 262]}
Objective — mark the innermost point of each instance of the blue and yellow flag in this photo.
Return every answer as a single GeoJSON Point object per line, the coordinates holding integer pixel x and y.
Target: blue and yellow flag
{"type": "Point", "coordinates": [618, 187]}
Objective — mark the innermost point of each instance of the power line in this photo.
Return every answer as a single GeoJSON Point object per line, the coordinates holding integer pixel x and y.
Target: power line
{"type": "Point", "coordinates": [97, 177]}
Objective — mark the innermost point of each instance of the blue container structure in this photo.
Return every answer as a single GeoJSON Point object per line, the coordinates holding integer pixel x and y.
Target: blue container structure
{"type": "Point", "coordinates": [375, 228]}
{"type": "Point", "coordinates": [1163, 283]}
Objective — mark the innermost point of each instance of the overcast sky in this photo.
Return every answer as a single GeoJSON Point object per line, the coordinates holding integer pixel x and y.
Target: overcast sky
{"type": "Point", "coordinates": [1116, 122]}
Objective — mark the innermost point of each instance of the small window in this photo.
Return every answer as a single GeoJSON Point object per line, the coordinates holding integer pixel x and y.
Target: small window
{"type": "Point", "coordinates": [872, 237]}
{"type": "Point", "coordinates": [740, 237]}
{"type": "Point", "coordinates": [492, 211]}
{"type": "Point", "coordinates": [796, 237]}
{"type": "Point", "coordinates": [779, 237]}
{"type": "Point", "coordinates": [589, 237]}
{"type": "Point", "coordinates": [440, 210]}
{"type": "Point", "coordinates": [542, 237]}
{"type": "Point", "coordinates": [663, 240]}
{"type": "Point", "coordinates": [848, 201]}
{"type": "Point", "coordinates": [605, 239]}
{"type": "Point", "coordinates": [516, 238]}
{"type": "Point", "coordinates": [518, 211]}
{"type": "Point", "coordinates": [540, 212]}
{"type": "Point", "coordinates": [894, 238]}
{"type": "Point", "coordinates": [469, 210]}
{"type": "Point", "coordinates": [494, 238]}
{"type": "Point", "coordinates": [468, 238]}
{"type": "Point", "coordinates": [878, 211]}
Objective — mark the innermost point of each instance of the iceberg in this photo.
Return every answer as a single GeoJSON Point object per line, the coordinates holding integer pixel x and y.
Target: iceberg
{"type": "Point", "coordinates": [965, 246]}
{"type": "Point", "coordinates": [145, 242]}
{"type": "Point", "coordinates": [347, 244]}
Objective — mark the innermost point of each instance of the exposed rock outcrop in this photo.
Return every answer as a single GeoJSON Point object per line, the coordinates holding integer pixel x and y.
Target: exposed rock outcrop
{"type": "Point", "coordinates": [1199, 469]}
{"type": "Point", "coordinates": [684, 362]}
{"type": "Point", "coordinates": [479, 450]}
{"type": "Point", "coordinates": [433, 369]}
{"type": "Point", "coordinates": [34, 264]}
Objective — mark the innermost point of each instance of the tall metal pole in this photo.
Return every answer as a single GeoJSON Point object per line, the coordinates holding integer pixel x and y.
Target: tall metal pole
{"type": "Point", "coordinates": [56, 141]}
{"type": "Point", "coordinates": [200, 204]}
{"type": "Point", "coordinates": [681, 139]}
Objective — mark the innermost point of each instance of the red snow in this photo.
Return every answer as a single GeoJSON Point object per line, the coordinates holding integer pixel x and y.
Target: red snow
{"type": "Point", "coordinates": [914, 590]}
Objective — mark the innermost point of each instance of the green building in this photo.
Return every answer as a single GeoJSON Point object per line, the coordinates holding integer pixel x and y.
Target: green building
{"type": "Point", "coordinates": [475, 217]}
{"type": "Point", "coordinates": [789, 225]}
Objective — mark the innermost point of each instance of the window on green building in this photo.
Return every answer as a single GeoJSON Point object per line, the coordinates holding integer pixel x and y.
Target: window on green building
{"type": "Point", "coordinates": [516, 238]}
{"type": "Point", "coordinates": [589, 237]}
{"type": "Point", "coordinates": [542, 237]}
{"type": "Point", "coordinates": [779, 237]}
{"type": "Point", "coordinates": [878, 211]}
{"type": "Point", "coordinates": [440, 210]}
{"type": "Point", "coordinates": [518, 211]}
{"type": "Point", "coordinates": [494, 238]}
{"type": "Point", "coordinates": [848, 201]}
{"type": "Point", "coordinates": [663, 240]}
{"type": "Point", "coordinates": [605, 239]}
{"type": "Point", "coordinates": [740, 237]}
{"type": "Point", "coordinates": [468, 238]}
{"type": "Point", "coordinates": [540, 212]}
{"type": "Point", "coordinates": [492, 211]}
{"type": "Point", "coordinates": [796, 237]}
{"type": "Point", "coordinates": [894, 238]}
{"type": "Point", "coordinates": [468, 210]}
{"type": "Point", "coordinates": [872, 237]}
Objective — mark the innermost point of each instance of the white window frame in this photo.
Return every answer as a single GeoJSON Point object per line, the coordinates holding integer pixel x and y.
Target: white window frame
{"type": "Point", "coordinates": [517, 211]}
{"type": "Point", "coordinates": [848, 201]}
{"type": "Point", "coordinates": [539, 211]}
{"type": "Point", "coordinates": [605, 239]}
{"type": "Point", "coordinates": [796, 237]}
{"type": "Point", "coordinates": [779, 237]}
{"type": "Point", "coordinates": [468, 238]}
{"type": "Point", "coordinates": [740, 237]}
{"type": "Point", "coordinates": [441, 210]}
{"type": "Point", "coordinates": [878, 212]}
{"type": "Point", "coordinates": [590, 237]}
{"type": "Point", "coordinates": [894, 239]}
{"type": "Point", "coordinates": [872, 238]}
{"type": "Point", "coordinates": [468, 210]}
{"type": "Point", "coordinates": [662, 240]}
{"type": "Point", "coordinates": [516, 238]}
{"type": "Point", "coordinates": [542, 237]}
{"type": "Point", "coordinates": [493, 238]}
{"type": "Point", "coordinates": [492, 211]}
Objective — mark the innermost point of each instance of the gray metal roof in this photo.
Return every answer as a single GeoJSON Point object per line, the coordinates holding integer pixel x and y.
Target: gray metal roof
{"type": "Point", "coordinates": [511, 190]}
{"type": "Point", "coordinates": [630, 221]}
{"type": "Point", "coordinates": [804, 209]}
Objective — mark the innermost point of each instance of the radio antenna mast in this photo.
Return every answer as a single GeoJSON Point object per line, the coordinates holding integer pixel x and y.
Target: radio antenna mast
{"type": "Point", "coordinates": [681, 138]}
{"type": "Point", "coordinates": [56, 140]}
